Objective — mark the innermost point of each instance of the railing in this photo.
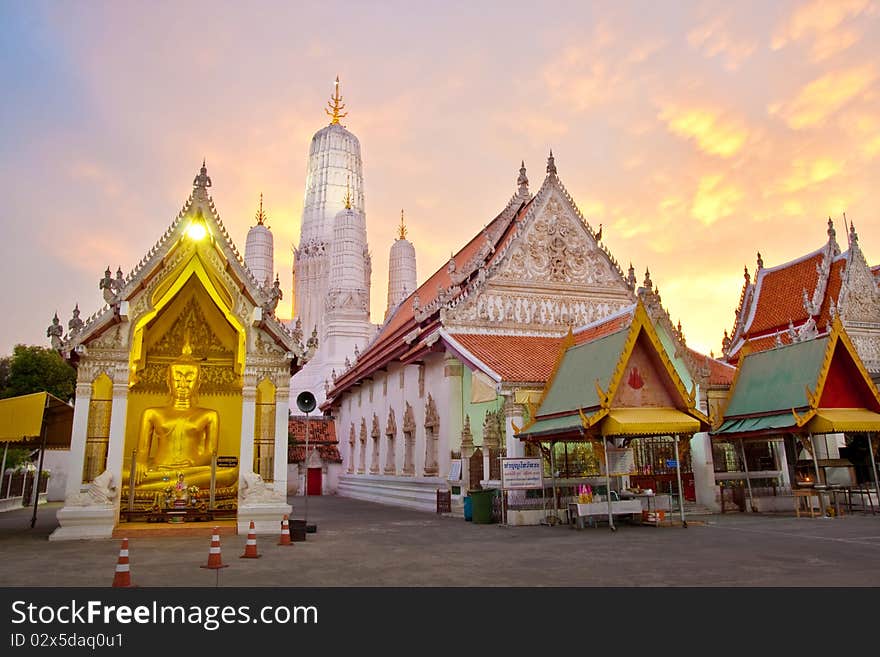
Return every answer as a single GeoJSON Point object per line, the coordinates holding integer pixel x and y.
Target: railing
{"type": "Point", "coordinates": [21, 484]}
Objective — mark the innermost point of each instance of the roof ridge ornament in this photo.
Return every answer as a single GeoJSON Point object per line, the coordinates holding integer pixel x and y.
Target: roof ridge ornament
{"type": "Point", "coordinates": [336, 105]}
{"type": "Point", "coordinates": [522, 181]}
{"type": "Point", "coordinates": [402, 231]}
{"type": "Point", "coordinates": [551, 164]}
{"type": "Point", "coordinates": [203, 180]}
{"type": "Point", "coordinates": [260, 216]}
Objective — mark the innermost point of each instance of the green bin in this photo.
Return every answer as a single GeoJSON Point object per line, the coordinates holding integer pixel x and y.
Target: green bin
{"type": "Point", "coordinates": [481, 501]}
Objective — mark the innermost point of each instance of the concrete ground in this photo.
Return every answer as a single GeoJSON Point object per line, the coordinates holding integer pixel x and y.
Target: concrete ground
{"type": "Point", "coordinates": [364, 544]}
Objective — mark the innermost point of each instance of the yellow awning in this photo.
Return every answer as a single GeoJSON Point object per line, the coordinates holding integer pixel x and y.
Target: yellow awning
{"type": "Point", "coordinates": [22, 418]}
{"type": "Point", "coordinates": [839, 420]}
{"type": "Point", "coordinates": [649, 422]}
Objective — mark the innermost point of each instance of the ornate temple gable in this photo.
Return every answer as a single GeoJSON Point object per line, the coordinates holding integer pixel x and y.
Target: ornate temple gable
{"type": "Point", "coordinates": [550, 273]}
{"type": "Point", "coordinates": [133, 296]}
{"type": "Point", "coordinates": [795, 292]}
{"type": "Point", "coordinates": [859, 300]}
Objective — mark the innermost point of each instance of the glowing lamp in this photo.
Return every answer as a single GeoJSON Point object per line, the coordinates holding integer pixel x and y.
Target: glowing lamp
{"type": "Point", "coordinates": [197, 231]}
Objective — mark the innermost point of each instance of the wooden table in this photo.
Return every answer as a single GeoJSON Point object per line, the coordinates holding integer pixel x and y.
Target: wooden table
{"type": "Point", "coordinates": [806, 494]}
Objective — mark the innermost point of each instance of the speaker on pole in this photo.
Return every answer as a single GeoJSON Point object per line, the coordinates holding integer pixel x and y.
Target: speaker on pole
{"type": "Point", "coordinates": [305, 401]}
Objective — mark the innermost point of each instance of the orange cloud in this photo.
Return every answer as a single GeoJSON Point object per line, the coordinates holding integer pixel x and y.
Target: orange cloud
{"type": "Point", "coordinates": [714, 133]}
{"type": "Point", "coordinates": [713, 39]}
{"type": "Point", "coordinates": [829, 24]}
{"type": "Point", "coordinates": [806, 173]}
{"type": "Point", "coordinates": [824, 96]}
{"type": "Point", "coordinates": [714, 199]}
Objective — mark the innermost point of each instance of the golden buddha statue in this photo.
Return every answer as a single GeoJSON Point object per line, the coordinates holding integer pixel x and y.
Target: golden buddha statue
{"type": "Point", "coordinates": [181, 436]}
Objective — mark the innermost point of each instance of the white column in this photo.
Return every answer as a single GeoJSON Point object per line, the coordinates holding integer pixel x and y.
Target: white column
{"type": "Point", "coordinates": [248, 420]}
{"type": "Point", "coordinates": [703, 469]}
{"type": "Point", "coordinates": [513, 414]}
{"type": "Point", "coordinates": [116, 446]}
{"type": "Point", "coordinates": [282, 399]}
{"type": "Point", "coordinates": [78, 439]}
{"type": "Point", "coordinates": [782, 461]}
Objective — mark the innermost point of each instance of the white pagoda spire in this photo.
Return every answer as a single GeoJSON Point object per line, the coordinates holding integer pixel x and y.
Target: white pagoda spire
{"type": "Point", "coordinates": [401, 269]}
{"type": "Point", "coordinates": [259, 250]}
{"type": "Point", "coordinates": [334, 169]}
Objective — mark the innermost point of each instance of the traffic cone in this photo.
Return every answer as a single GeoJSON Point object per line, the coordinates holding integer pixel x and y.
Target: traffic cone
{"type": "Point", "coordinates": [122, 578]}
{"type": "Point", "coordinates": [285, 532]}
{"type": "Point", "coordinates": [214, 559]}
{"type": "Point", "coordinates": [250, 549]}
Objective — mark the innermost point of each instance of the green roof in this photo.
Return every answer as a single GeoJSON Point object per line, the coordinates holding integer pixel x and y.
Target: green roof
{"type": "Point", "coordinates": [763, 423]}
{"type": "Point", "coordinates": [574, 385]}
{"type": "Point", "coordinates": [553, 425]}
{"type": "Point", "coordinates": [776, 380]}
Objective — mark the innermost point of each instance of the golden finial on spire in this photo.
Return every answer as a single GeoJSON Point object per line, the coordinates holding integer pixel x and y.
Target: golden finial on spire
{"type": "Point", "coordinates": [261, 216]}
{"type": "Point", "coordinates": [402, 234]}
{"type": "Point", "coordinates": [335, 103]}
{"type": "Point", "coordinates": [347, 191]}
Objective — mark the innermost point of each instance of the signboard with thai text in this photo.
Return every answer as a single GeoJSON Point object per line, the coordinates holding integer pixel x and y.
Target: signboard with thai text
{"type": "Point", "coordinates": [621, 460]}
{"type": "Point", "coordinates": [521, 473]}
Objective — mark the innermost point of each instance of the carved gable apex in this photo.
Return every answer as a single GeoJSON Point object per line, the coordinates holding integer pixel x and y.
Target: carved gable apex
{"type": "Point", "coordinates": [548, 274]}
{"type": "Point", "coordinates": [554, 245]}
{"type": "Point", "coordinates": [859, 300]}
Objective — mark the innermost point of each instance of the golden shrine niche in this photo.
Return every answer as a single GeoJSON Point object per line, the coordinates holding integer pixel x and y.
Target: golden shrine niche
{"type": "Point", "coordinates": [184, 407]}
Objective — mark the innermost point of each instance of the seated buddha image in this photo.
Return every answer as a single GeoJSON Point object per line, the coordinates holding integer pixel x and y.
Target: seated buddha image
{"type": "Point", "coordinates": [177, 441]}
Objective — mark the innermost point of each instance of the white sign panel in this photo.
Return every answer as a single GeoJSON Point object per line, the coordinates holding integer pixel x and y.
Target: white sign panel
{"type": "Point", "coordinates": [522, 473]}
{"type": "Point", "coordinates": [621, 461]}
{"type": "Point", "coordinates": [454, 470]}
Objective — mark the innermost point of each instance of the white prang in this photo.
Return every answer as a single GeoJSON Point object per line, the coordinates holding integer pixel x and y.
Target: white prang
{"type": "Point", "coordinates": [334, 170]}
{"type": "Point", "coordinates": [332, 266]}
{"type": "Point", "coordinates": [401, 273]}
{"type": "Point", "coordinates": [258, 254]}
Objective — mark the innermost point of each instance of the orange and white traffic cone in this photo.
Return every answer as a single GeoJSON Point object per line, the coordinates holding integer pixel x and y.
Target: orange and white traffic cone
{"type": "Point", "coordinates": [122, 578]}
{"type": "Point", "coordinates": [285, 532]}
{"type": "Point", "coordinates": [250, 549]}
{"type": "Point", "coordinates": [215, 561]}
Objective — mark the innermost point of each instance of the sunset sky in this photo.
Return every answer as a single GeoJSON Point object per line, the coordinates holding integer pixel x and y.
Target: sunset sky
{"type": "Point", "coordinates": [696, 133]}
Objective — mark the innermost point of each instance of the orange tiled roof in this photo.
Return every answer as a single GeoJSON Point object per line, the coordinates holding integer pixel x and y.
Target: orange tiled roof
{"type": "Point", "coordinates": [779, 294]}
{"type": "Point", "coordinates": [328, 453]}
{"type": "Point", "coordinates": [720, 373]}
{"type": "Point", "coordinates": [832, 291]}
{"type": "Point", "coordinates": [515, 358]}
{"type": "Point", "coordinates": [321, 430]}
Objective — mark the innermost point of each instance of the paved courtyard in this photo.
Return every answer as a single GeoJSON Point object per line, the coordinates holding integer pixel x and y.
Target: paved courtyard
{"type": "Point", "coordinates": [364, 544]}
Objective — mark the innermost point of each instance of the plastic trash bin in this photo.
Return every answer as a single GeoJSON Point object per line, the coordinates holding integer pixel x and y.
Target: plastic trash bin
{"type": "Point", "coordinates": [482, 505]}
{"type": "Point", "coordinates": [468, 509]}
{"type": "Point", "coordinates": [297, 530]}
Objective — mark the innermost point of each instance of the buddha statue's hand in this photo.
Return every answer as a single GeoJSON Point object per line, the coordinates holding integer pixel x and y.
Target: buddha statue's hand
{"type": "Point", "coordinates": [140, 471]}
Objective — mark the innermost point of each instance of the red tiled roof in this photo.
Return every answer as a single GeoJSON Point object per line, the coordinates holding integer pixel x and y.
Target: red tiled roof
{"type": "Point", "coordinates": [720, 373]}
{"type": "Point", "coordinates": [832, 291]}
{"type": "Point", "coordinates": [515, 358]}
{"type": "Point", "coordinates": [321, 430]}
{"type": "Point", "coordinates": [329, 453]}
{"type": "Point", "coordinates": [779, 294]}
